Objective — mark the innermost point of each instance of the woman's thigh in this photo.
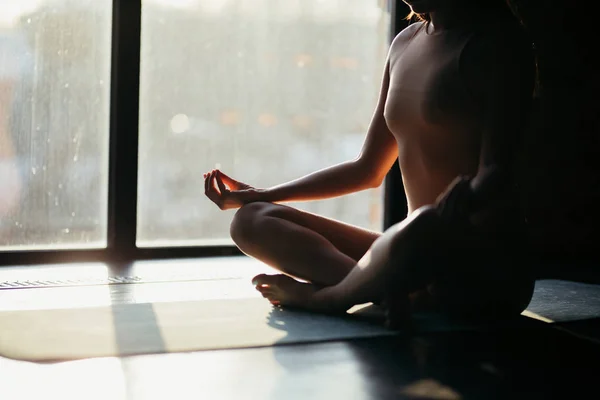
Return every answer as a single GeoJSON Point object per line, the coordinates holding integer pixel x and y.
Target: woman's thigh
{"type": "Point", "coordinates": [348, 239]}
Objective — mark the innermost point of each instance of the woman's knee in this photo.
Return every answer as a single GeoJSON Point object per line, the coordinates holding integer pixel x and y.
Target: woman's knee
{"type": "Point", "coordinates": [247, 220]}
{"type": "Point", "coordinates": [244, 221]}
{"type": "Point", "coordinates": [416, 233]}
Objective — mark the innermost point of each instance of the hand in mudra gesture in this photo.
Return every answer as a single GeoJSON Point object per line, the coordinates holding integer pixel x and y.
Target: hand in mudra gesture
{"type": "Point", "coordinates": [226, 192]}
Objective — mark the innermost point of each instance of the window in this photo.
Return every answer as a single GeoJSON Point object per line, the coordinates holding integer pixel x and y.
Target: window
{"type": "Point", "coordinates": [263, 89]}
{"type": "Point", "coordinates": [54, 123]}
{"type": "Point", "coordinates": [266, 90]}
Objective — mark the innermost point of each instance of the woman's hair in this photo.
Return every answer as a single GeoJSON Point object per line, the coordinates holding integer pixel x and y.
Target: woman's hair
{"type": "Point", "coordinates": [500, 4]}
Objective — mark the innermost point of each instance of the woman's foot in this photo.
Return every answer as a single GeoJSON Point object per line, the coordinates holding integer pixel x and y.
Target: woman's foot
{"type": "Point", "coordinates": [282, 290]}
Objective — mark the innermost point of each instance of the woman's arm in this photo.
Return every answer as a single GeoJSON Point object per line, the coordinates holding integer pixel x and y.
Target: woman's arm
{"type": "Point", "coordinates": [368, 170]}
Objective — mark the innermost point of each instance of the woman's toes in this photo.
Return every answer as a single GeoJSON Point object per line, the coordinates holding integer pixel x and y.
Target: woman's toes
{"type": "Point", "coordinates": [270, 280]}
{"type": "Point", "coordinates": [257, 279]}
{"type": "Point", "coordinates": [271, 296]}
{"type": "Point", "coordinates": [273, 299]}
{"type": "Point", "coordinates": [263, 289]}
{"type": "Point", "coordinates": [266, 293]}
{"type": "Point", "coordinates": [261, 279]}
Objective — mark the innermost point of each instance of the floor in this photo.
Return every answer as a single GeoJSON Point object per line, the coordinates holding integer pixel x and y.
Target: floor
{"type": "Point", "coordinates": [535, 362]}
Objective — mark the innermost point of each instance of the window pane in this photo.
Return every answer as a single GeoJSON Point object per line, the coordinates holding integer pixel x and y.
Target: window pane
{"type": "Point", "coordinates": [266, 90]}
{"type": "Point", "coordinates": [54, 103]}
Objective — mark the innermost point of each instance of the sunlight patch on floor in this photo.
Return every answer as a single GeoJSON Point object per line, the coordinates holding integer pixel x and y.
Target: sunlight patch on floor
{"type": "Point", "coordinates": [531, 314]}
{"type": "Point", "coordinates": [168, 281]}
{"type": "Point", "coordinates": [47, 272]}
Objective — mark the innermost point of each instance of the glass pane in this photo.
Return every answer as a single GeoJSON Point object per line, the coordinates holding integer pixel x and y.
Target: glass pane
{"type": "Point", "coordinates": [266, 90]}
{"type": "Point", "coordinates": [54, 103]}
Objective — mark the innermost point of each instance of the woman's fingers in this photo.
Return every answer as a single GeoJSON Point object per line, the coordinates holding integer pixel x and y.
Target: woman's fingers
{"type": "Point", "coordinates": [232, 183]}
{"type": "Point", "coordinates": [227, 182]}
{"type": "Point", "coordinates": [210, 190]}
{"type": "Point", "coordinates": [220, 184]}
{"type": "Point", "coordinates": [225, 176]}
{"type": "Point", "coordinates": [217, 190]}
{"type": "Point", "coordinates": [213, 184]}
{"type": "Point", "coordinates": [206, 182]}
{"type": "Point", "coordinates": [211, 193]}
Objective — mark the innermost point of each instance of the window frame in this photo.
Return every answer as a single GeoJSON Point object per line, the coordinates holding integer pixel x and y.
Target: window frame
{"type": "Point", "coordinates": [123, 160]}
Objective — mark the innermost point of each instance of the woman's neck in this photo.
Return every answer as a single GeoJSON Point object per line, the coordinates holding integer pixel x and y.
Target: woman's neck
{"type": "Point", "coordinates": [450, 18]}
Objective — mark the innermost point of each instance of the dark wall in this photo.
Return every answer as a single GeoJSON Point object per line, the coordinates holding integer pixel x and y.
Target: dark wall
{"type": "Point", "coordinates": [562, 173]}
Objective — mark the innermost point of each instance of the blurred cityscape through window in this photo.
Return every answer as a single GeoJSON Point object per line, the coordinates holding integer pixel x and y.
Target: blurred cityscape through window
{"type": "Point", "coordinates": [266, 90]}
{"type": "Point", "coordinates": [54, 122]}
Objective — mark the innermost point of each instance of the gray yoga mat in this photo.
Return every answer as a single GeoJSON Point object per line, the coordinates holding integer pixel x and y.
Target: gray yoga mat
{"type": "Point", "coordinates": [572, 307]}
{"type": "Point", "coordinates": [129, 329]}
{"type": "Point", "coordinates": [562, 301]}
{"type": "Point", "coordinates": [57, 334]}
{"type": "Point", "coordinates": [160, 327]}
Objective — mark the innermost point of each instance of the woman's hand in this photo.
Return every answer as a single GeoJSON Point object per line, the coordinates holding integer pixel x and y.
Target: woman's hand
{"type": "Point", "coordinates": [226, 192]}
{"type": "Point", "coordinates": [476, 199]}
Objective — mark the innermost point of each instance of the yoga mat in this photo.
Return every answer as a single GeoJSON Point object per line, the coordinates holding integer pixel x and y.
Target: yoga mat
{"type": "Point", "coordinates": [562, 301]}
{"type": "Point", "coordinates": [58, 334]}
{"type": "Point", "coordinates": [161, 327]}
{"type": "Point", "coordinates": [129, 329]}
{"type": "Point", "coordinates": [571, 307]}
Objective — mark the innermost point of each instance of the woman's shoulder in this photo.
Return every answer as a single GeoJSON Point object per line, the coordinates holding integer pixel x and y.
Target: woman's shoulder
{"type": "Point", "coordinates": [406, 34]}
{"type": "Point", "coordinates": [402, 39]}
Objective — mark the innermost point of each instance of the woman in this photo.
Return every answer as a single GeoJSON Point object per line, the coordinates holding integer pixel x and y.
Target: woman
{"type": "Point", "coordinates": [455, 95]}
